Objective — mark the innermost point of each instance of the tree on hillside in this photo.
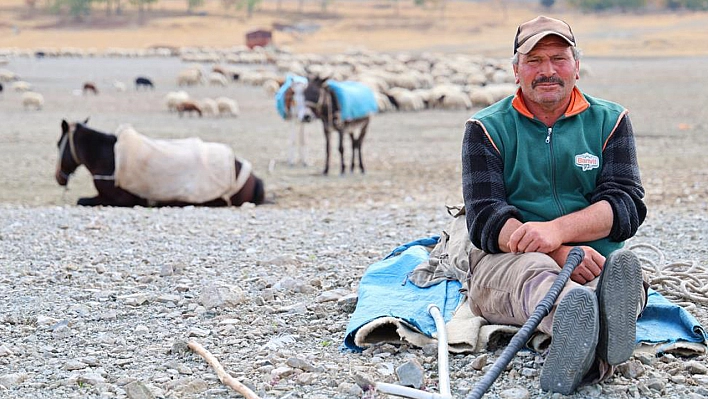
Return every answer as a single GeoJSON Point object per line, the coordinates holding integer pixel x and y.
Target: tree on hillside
{"type": "Point", "coordinates": [141, 5]}
{"type": "Point", "coordinates": [600, 5]}
{"type": "Point", "coordinates": [77, 8]}
{"type": "Point", "coordinates": [191, 4]}
{"type": "Point", "coordinates": [250, 6]}
{"type": "Point", "coordinates": [693, 5]}
{"type": "Point", "coordinates": [324, 5]}
{"type": "Point", "coordinates": [547, 4]}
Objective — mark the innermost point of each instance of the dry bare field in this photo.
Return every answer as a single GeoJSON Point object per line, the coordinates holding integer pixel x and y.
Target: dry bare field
{"type": "Point", "coordinates": [653, 64]}
{"type": "Point", "coordinates": [478, 27]}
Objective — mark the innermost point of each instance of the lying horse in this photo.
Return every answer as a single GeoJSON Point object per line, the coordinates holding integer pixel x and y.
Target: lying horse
{"type": "Point", "coordinates": [342, 106]}
{"type": "Point", "coordinates": [290, 104]}
{"type": "Point", "coordinates": [107, 157]}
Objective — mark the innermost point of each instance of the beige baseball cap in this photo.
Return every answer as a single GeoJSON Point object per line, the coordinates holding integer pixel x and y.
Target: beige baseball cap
{"type": "Point", "coordinates": [530, 32]}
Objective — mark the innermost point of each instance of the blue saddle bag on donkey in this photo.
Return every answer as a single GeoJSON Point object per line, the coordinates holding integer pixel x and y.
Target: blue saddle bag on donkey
{"type": "Point", "coordinates": [355, 99]}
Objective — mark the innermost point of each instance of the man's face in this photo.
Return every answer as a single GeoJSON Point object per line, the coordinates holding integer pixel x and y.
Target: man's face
{"type": "Point", "coordinates": [548, 72]}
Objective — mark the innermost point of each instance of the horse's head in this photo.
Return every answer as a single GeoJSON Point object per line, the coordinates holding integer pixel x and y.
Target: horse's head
{"type": "Point", "coordinates": [68, 160]}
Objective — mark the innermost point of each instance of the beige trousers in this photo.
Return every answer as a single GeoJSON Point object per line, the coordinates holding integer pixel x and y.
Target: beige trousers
{"type": "Point", "coordinates": [506, 288]}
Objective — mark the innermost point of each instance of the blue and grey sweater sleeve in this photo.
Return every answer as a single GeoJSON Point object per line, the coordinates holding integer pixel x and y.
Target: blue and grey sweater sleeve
{"type": "Point", "coordinates": [485, 196]}
{"type": "Point", "coordinates": [620, 182]}
{"type": "Point", "coordinates": [483, 189]}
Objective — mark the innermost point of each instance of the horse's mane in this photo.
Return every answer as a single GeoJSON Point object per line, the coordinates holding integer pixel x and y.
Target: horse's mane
{"type": "Point", "coordinates": [92, 136]}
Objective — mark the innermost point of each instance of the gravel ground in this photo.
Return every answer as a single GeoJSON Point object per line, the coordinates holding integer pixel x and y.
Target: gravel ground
{"type": "Point", "coordinates": [99, 303]}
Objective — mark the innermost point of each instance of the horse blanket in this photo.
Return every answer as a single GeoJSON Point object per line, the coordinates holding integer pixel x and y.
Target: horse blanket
{"type": "Point", "coordinates": [187, 170]}
{"type": "Point", "coordinates": [355, 99]}
{"type": "Point", "coordinates": [280, 95]}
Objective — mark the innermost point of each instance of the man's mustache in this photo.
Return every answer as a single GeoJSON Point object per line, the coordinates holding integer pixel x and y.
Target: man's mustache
{"type": "Point", "coordinates": [547, 79]}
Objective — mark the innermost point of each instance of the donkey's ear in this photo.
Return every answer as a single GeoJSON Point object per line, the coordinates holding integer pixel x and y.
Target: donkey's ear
{"type": "Point", "coordinates": [86, 120]}
{"type": "Point", "coordinates": [64, 126]}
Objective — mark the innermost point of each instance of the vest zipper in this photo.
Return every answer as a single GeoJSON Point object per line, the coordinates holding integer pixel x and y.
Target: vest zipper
{"type": "Point", "coordinates": [554, 191]}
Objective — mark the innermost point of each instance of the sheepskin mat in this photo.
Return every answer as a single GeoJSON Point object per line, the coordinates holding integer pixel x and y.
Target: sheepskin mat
{"type": "Point", "coordinates": [355, 99]}
{"type": "Point", "coordinates": [188, 170]}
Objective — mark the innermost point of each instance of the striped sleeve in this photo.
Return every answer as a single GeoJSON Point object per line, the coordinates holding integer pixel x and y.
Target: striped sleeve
{"type": "Point", "coordinates": [620, 182]}
{"type": "Point", "coordinates": [483, 189]}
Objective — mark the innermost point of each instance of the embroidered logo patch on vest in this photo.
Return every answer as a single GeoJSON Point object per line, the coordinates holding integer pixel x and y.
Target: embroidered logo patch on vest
{"type": "Point", "coordinates": [587, 161]}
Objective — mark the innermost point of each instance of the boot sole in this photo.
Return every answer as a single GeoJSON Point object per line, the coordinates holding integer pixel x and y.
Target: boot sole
{"type": "Point", "coordinates": [618, 296]}
{"type": "Point", "coordinates": [575, 336]}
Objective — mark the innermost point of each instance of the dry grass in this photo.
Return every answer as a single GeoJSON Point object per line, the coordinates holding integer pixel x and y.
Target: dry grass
{"type": "Point", "coordinates": [484, 27]}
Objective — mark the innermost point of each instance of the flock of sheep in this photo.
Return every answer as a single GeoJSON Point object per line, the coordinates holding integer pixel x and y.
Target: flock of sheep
{"type": "Point", "coordinates": [29, 98]}
{"type": "Point", "coordinates": [401, 82]}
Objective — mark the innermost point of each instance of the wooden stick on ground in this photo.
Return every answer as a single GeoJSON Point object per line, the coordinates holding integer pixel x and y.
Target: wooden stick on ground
{"type": "Point", "coordinates": [224, 377]}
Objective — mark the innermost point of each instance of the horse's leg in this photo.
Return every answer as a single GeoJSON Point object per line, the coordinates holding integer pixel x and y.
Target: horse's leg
{"type": "Point", "coordinates": [110, 195]}
{"type": "Point", "coordinates": [90, 201]}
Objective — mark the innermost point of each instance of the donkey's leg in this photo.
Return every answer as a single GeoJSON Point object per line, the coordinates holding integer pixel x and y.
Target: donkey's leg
{"type": "Point", "coordinates": [327, 134]}
{"type": "Point", "coordinates": [341, 152]}
{"type": "Point", "coordinates": [359, 141]}
{"type": "Point", "coordinates": [291, 149]}
{"type": "Point", "coordinates": [302, 144]}
{"type": "Point", "coordinates": [353, 141]}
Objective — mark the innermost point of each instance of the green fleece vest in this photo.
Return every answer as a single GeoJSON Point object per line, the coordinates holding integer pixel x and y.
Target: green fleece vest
{"type": "Point", "coordinates": [551, 172]}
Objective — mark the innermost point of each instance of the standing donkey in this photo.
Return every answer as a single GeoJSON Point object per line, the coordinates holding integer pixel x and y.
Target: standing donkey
{"type": "Point", "coordinates": [344, 106]}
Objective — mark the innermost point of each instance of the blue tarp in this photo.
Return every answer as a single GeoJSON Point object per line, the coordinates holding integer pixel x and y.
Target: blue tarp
{"type": "Point", "coordinates": [385, 291]}
{"type": "Point", "coordinates": [280, 95]}
{"type": "Point", "coordinates": [665, 322]}
{"type": "Point", "coordinates": [356, 100]}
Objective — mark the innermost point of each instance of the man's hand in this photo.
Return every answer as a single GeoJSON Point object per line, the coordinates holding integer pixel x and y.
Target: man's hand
{"type": "Point", "coordinates": [589, 268]}
{"type": "Point", "coordinates": [535, 237]}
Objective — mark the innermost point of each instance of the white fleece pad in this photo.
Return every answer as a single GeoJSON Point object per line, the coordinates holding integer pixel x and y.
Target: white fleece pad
{"type": "Point", "coordinates": [188, 170]}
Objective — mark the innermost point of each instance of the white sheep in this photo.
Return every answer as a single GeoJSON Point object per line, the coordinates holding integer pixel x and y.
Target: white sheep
{"type": "Point", "coordinates": [8, 76]}
{"type": "Point", "coordinates": [32, 99]}
{"type": "Point", "coordinates": [21, 85]}
{"type": "Point", "coordinates": [489, 94]}
{"type": "Point", "coordinates": [173, 98]}
{"type": "Point", "coordinates": [119, 86]}
{"type": "Point", "coordinates": [227, 106]}
{"type": "Point", "coordinates": [189, 77]}
{"type": "Point", "coordinates": [383, 102]}
{"type": "Point", "coordinates": [217, 79]}
{"type": "Point", "coordinates": [209, 106]}
{"type": "Point", "coordinates": [449, 97]}
{"type": "Point", "coordinates": [271, 86]}
{"type": "Point", "coordinates": [406, 100]}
